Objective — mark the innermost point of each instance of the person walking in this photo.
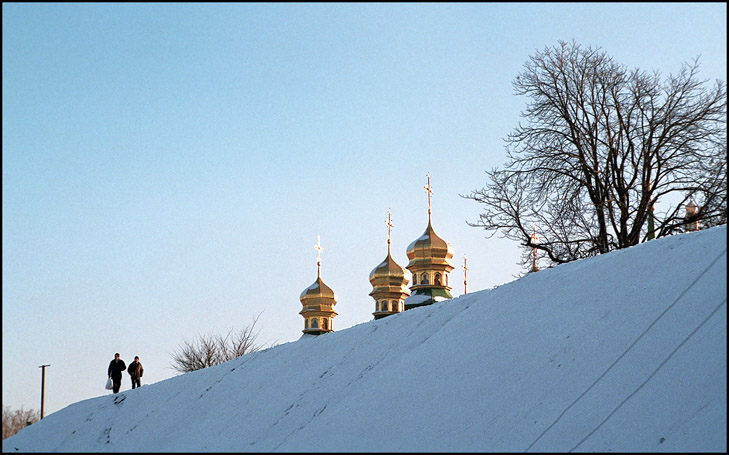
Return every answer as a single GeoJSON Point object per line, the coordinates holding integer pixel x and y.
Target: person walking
{"type": "Point", "coordinates": [116, 368]}
{"type": "Point", "coordinates": [136, 371]}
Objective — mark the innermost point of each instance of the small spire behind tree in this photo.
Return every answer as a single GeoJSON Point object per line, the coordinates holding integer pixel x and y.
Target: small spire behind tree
{"type": "Point", "coordinates": [465, 276]}
{"type": "Point", "coordinates": [534, 250]}
{"type": "Point", "coordinates": [651, 227]}
{"type": "Point", "coordinates": [691, 219]}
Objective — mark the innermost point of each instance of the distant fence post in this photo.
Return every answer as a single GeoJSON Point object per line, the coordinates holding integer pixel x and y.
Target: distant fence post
{"type": "Point", "coordinates": [43, 388]}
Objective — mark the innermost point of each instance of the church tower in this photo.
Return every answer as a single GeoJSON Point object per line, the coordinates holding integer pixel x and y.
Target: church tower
{"type": "Point", "coordinates": [389, 283]}
{"type": "Point", "coordinates": [430, 263]}
{"type": "Point", "coordinates": [318, 301]}
{"type": "Point", "coordinates": [535, 239]}
{"type": "Point", "coordinates": [690, 220]}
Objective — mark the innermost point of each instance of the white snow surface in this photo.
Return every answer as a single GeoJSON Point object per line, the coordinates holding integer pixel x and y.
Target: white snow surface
{"type": "Point", "coordinates": [621, 352]}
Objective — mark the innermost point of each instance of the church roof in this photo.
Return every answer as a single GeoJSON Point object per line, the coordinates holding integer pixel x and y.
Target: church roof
{"type": "Point", "coordinates": [426, 296]}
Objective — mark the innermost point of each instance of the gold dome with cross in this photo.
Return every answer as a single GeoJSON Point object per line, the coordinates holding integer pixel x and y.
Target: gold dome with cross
{"type": "Point", "coordinates": [430, 263]}
{"type": "Point", "coordinates": [318, 302]}
{"type": "Point", "coordinates": [389, 282]}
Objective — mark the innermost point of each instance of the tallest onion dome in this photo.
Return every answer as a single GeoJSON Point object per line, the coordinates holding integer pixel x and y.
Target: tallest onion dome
{"type": "Point", "coordinates": [430, 249]}
{"type": "Point", "coordinates": [430, 263]}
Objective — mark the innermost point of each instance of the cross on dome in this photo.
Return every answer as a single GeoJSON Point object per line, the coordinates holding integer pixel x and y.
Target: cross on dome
{"type": "Point", "coordinates": [429, 190]}
{"type": "Point", "coordinates": [318, 249]}
{"type": "Point", "coordinates": [389, 228]}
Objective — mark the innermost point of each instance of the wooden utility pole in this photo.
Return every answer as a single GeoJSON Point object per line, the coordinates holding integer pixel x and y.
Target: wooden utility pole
{"type": "Point", "coordinates": [43, 386]}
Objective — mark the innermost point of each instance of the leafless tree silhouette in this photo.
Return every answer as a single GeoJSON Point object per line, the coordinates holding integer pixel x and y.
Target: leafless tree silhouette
{"type": "Point", "coordinates": [601, 146]}
{"type": "Point", "coordinates": [212, 349]}
{"type": "Point", "coordinates": [16, 420]}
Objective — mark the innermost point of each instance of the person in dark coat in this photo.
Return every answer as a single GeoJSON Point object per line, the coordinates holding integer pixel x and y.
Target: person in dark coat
{"type": "Point", "coordinates": [136, 371]}
{"type": "Point", "coordinates": [116, 368]}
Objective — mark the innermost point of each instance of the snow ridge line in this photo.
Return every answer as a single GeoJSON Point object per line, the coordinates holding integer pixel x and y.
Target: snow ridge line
{"type": "Point", "coordinates": [628, 349]}
{"type": "Point", "coordinates": [723, 302]}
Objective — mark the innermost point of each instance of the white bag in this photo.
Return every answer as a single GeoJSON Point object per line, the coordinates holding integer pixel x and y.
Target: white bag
{"type": "Point", "coordinates": [109, 384]}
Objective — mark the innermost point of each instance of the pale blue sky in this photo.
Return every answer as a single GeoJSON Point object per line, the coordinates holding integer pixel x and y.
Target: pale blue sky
{"type": "Point", "coordinates": [167, 167]}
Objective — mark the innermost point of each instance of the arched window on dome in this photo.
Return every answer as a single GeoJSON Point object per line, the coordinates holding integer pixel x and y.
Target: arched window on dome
{"type": "Point", "coordinates": [424, 279]}
{"type": "Point", "coordinates": [437, 279]}
{"type": "Point", "coordinates": [324, 324]}
{"type": "Point", "coordinates": [395, 307]}
{"type": "Point", "coordinates": [415, 279]}
{"type": "Point", "coordinates": [306, 323]}
{"type": "Point", "coordinates": [314, 323]}
{"type": "Point", "coordinates": [384, 305]}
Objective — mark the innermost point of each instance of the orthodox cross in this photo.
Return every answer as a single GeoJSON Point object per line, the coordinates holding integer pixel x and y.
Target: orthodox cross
{"type": "Point", "coordinates": [465, 275]}
{"type": "Point", "coordinates": [389, 228]}
{"type": "Point", "coordinates": [318, 249]}
{"type": "Point", "coordinates": [534, 241]}
{"type": "Point", "coordinates": [429, 190]}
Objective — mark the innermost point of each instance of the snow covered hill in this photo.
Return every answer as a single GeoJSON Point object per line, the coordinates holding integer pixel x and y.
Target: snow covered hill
{"type": "Point", "coordinates": [621, 352]}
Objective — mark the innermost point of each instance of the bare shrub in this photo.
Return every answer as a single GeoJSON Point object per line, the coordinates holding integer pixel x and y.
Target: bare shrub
{"type": "Point", "coordinates": [15, 420]}
{"type": "Point", "coordinates": [207, 350]}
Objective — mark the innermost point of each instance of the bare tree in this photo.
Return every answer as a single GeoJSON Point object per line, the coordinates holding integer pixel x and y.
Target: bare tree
{"type": "Point", "coordinates": [602, 145]}
{"type": "Point", "coordinates": [213, 349]}
{"type": "Point", "coordinates": [16, 420]}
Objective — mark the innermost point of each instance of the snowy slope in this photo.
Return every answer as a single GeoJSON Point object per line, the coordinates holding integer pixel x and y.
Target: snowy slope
{"type": "Point", "coordinates": [621, 352]}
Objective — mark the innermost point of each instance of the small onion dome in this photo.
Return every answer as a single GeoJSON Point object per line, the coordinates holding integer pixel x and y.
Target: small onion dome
{"type": "Point", "coordinates": [691, 208]}
{"type": "Point", "coordinates": [430, 249]}
{"type": "Point", "coordinates": [691, 220]}
{"type": "Point", "coordinates": [317, 293]}
{"type": "Point", "coordinates": [389, 276]}
{"type": "Point", "coordinates": [318, 302]}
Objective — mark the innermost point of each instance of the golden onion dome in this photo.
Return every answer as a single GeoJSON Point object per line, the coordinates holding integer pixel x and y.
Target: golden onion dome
{"type": "Point", "coordinates": [388, 269]}
{"type": "Point", "coordinates": [317, 291]}
{"type": "Point", "coordinates": [429, 248]}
